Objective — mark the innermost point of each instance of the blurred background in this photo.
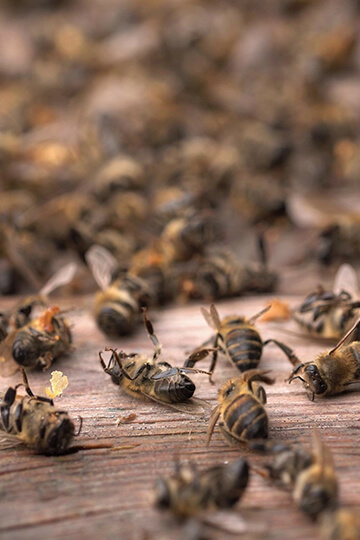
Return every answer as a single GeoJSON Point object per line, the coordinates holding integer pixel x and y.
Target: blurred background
{"type": "Point", "coordinates": [118, 118]}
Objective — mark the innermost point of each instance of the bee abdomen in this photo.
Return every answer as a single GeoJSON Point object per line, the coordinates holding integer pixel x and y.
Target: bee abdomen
{"type": "Point", "coordinates": [175, 391]}
{"type": "Point", "coordinates": [245, 418]}
{"type": "Point", "coordinates": [244, 347]}
{"type": "Point", "coordinates": [117, 320]}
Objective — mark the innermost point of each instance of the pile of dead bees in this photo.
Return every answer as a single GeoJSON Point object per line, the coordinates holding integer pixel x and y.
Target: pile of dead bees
{"type": "Point", "coordinates": [32, 341]}
{"type": "Point", "coordinates": [147, 142]}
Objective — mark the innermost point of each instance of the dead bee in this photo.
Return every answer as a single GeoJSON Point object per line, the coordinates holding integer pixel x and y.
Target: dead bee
{"type": "Point", "coordinates": [140, 375]}
{"type": "Point", "coordinates": [26, 255]}
{"type": "Point", "coordinates": [341, 524]}
{"type": "Point", "coordinates": [330, 372]}
{"type": "Point", "coordinates": [187, 235]}
{"type": "Point", "coordinates": [20, 315]}
{"type": "Point", "coordinates": [35, 421]}
{"type": "Point", "coordinates": [337, 219]}
{"type": "Point", "coordinates": [329, 314]}
{"type": "Point", "coordinates": [54, 219]}
{"type": "Point", "coordinates": [340, 240]}
{"type": "Point", "coordinates": [38, 341]}
{"type": "Point", "coordinates": [83, 237]}
{"type": "Point", "coordinates": [220, 275]}
{"type": "Point", "coordinates": [118, 303]}
{"type": "Point", "coordinates": [311, 475]}
{"type": "Point", "coordinates": [179, 241]}
{"type": "Point", "coordinates": [152, 265]}
{"type": "Point", "coordinates": [120, 174]}
{"type": "Point", "coordinates": [236, 337]}
{"type": "Point", "coordinates": [36, 344]}
{"type": "Point", "coordinates": [189, 492]}
{"type": "Point", "coordinates": [241, 408]}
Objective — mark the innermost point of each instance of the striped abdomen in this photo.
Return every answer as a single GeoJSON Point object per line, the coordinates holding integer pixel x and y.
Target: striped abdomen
{"type": "Point", "coordinates": [244, 347]}
{"type": "Point", "coordinates": [245, 418]}
{"type": "Point", "coordinates": [174, 389]}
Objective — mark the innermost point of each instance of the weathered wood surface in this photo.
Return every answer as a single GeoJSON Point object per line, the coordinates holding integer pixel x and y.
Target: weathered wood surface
{"type": "Point", "coordinates": [106, 492]}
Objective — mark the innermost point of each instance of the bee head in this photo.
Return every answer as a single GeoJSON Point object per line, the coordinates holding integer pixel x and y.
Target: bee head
{"type": "Point", "coordinates": [314, 380]}
{"type": "Point", "coordinates": [233, 320]}
{"type": "Point", "coordinates": [113, 322]}
{"type": "Point", "coordinates": [162, 494]}
{"type": "Point", "coordinates": [315, 499]}
{"type": "Point", "coordinates": [327, 243]}
{"type": "Point", "coordinates": [56, 432]}
{"type": "Point", "coordinates": [230, 388]}
{"type": "Point", "coordinates": [27, 348]}
{"type": "Point", "coordinates": [114, 367]}
{"type": "Point", "coordinates": [234, 480]}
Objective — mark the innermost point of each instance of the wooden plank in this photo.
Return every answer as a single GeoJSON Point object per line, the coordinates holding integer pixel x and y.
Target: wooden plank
{"type": "Point", "coordinates": [107, 492]}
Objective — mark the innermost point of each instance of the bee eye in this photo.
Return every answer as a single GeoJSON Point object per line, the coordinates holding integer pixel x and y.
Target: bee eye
{"type": "Point", "coordinates": [229, 390]}
{"type": "Point", "coordinates": [311, 370]}
{"type": "Point", "coordinates": [25, 349]}
{"type": "Point", "coordinates": [319, 386]}
{"type": "Point", "coordinates": [163, 497]}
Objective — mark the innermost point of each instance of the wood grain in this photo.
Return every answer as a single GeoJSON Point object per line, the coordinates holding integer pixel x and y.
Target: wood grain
{"type": "Point", "coordinates": [106, 492]}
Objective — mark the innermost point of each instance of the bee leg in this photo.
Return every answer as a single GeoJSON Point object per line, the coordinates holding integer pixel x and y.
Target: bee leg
{"type": "Point", "coordinates": [261, 246]}
{"type": "Point", "coordinates": [261, 395]}
{"type": "Point", "coordinates": [18, 417]}
{"type": "Point", "coordinates": [80, 427]}
{"type": "Point", "coordinates": [214, 357]}
{"type": "Point", "coordinates": [30, 392]}
{"type": "Point", "coordinates": [9, 399]}
{"type": "Point", "coordinates": [311, 396]}
{"type": "Point", "coordinates": [289, 352]}
{"type": "Point", "coordinates": [46, 360]}
{"type": "Point", "coordinates": [152, 335]}
{"type": "Point", "coordinates": [137, 373]}
{"type": "Point", "coordinates": [197, 356]}
{"type": "Point", "coordinates": [103, 365]}
{"type": "Point", "coordinates": [232, 441]}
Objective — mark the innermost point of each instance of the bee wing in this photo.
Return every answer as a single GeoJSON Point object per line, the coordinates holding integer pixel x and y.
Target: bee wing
{"type": "Point", "coordinates": [63, 276]}
{"type": "Point", "coordinates": [212, 317]}
{"type": "Point", "coordinates": [304, 212]}
{"type": "Point", "coordinates": [346, 280]}
{"type": "Point", "coordinates": [176, 370]}
{"type": "Point", "coordinates": [15, 254]}
{"type": "Point", "coordinates": [191, 406]}
{"type": "Point", "coordinates": [267, 447]}
{"type": "Point", "coordinates": [8, 366]}
{"type": "Point", "coordinates": [164, 374]}
{"type": "Point", "coordinates": [232, 523]}
{"type": "Point", "coordinates": [8, 441]}
{"type": "Point", "coordinates": [102, 265]}
{"type": "Point", "coordinates": [313, 210]}
{"type": "Point", "coordinates": [321, 451]}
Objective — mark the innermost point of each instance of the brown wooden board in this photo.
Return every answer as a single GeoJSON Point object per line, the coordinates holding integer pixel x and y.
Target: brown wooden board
{"type": "Point", "coordinates": [106, 492]}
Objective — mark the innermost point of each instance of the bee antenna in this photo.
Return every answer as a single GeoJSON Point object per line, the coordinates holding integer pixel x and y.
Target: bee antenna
{"type": "Point", "coordinates": [343, 339]}
{"type": "Point", "coordinates": [80, 426]}
{"type": "Point", "coordinates": [297, 377]}
{"type": "Point", "coordinates": [110, 349]}
{"type": "Point", "coordinates": [261, 243]}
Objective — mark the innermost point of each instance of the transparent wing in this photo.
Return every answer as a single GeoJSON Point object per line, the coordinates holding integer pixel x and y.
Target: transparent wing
{"type": "Point", "coordinates": [304, 212]}
{"type": "Point", "coordinates": [211, 317]}
{"type": "Point", "coordinates": [63, 276]}
{"type": "Point", "coordinates": [321, 451]}
{"type": "Point", "coordinates": [8, 366]}
{"type": "Point", "coordinates": [8, 441]}
{"type": "Point", "coordinates": [346, 280]}
{"type": "Point", "coordinates": [15, 253]}
{"type": "Point", "coordinates": [102, 265]}
{"type": "Point", "coordinates": [193, 406]}
{"type": "Point", "coordinates": [232, 523]}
